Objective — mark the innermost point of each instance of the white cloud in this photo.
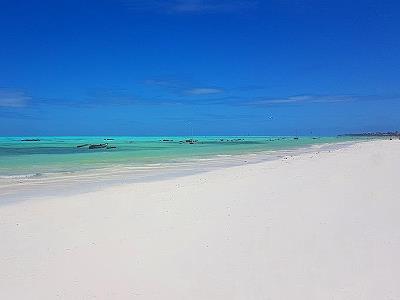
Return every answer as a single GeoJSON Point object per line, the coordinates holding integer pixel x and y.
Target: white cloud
{"type": "Point", "coordinates": [13, 98]}
{"type": "Point", "coordinates": [190, 6]}
{"type": "Point", "coordinates": [204, 91]}
{"type": "Point", "coordinates": [202, 6]}
{"type": "Point", "coordinates": [300, 99]}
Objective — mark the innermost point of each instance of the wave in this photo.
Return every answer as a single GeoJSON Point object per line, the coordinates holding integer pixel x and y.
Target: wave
{"type": "Point", "coordinates": [22, 176]}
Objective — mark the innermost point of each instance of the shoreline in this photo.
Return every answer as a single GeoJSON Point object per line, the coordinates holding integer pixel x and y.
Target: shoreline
{"type": "Point", "coordinates": [57, 155]}
{"type": "Point", "coordinates": [20, 188]}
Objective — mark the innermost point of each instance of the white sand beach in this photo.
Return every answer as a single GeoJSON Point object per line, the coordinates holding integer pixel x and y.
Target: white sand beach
{"type": "Point", "coordinates": [323, 225]}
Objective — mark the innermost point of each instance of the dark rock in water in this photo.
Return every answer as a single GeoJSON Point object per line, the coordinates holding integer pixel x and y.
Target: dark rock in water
{"type": "Point", "coordinates": [232, 140]}
{"type": "Point", "coordinates": [296, 138]}
{"type": "Point", "coordinates": [315, 138]}
{"type": "Point", "coordinates": [81, 146]}
{"type": "Point", "coordinates": [191, 141]}
{"type": "Point", "coordinates": [111, 147]}
{"type": "Point", "coordinates": [108, 139]}
{"type": "Point", "coordinates": [30, 140]}
{"type": "Point", "coordinates": [98, 146]}
{"type": "Point", "coordinates": [166, 140]}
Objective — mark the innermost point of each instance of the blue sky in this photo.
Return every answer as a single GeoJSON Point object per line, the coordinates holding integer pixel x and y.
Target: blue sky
{"type": "Point", "coordinates": [136, 67]}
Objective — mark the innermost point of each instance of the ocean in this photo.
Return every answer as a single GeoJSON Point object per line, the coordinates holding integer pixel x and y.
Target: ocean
{"type": "Point", "coordinates": [24, 157]}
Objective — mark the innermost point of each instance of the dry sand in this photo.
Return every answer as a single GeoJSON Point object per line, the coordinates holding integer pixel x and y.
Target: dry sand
{"type": "Point", "coordinates": [315, 226]}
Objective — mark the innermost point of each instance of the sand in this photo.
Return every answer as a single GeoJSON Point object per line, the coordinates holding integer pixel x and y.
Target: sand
{"type": "Point", "coordinates": [314, 226]}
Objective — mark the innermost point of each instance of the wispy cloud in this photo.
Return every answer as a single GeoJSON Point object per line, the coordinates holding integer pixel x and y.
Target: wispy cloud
{"type": "Point", "coordinates": [169, 84]}
{"type": "Point", "coordinates": [171, 92]}
{"type": "Point", "coordinates": [93, 98]}
{"type": "Point", "coordinates": [190, 6]}
{"type": "Point", "coordinates": [17, 115]}
{"type": "Point", "coordinates": [122, 97]}
{"type": "Point", "coordinates": [201, 91]}
{"type": "Point", "coordinates": [301, 99]}
{"type": "Point", "coordinates": [13, 98]}
{"type": "Point", "coordinates": [195, 6]}
{"type": "Point", "coordinates": [183, 88]}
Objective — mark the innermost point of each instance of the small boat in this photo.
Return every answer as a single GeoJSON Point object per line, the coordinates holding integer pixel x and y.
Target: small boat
{"type": "Point", "coordinates": [81, 146]}
{"type": "Point", "coordinates": [98, 146]}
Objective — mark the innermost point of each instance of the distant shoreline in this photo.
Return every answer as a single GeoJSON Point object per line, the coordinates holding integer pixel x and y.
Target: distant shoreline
{"type": "Point", "coordinates": [22, 187]}
{"type": "Point", "coordinates": [372, 134]}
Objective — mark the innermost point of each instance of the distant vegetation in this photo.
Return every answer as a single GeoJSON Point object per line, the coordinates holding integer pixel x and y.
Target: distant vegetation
{"type": "Point", "coordinates": [372, 134]}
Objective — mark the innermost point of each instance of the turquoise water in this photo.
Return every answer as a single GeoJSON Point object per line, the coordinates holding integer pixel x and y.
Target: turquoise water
{"type": "Point", "coordinates": [60, 154]}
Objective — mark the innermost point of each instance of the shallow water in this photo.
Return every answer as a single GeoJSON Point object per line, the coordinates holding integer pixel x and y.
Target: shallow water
{"type": "Point", "coordinates": [25, 159]}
